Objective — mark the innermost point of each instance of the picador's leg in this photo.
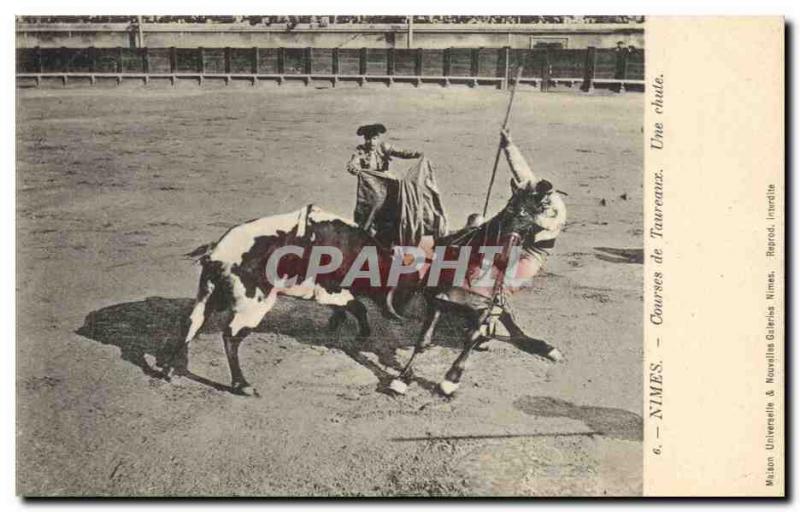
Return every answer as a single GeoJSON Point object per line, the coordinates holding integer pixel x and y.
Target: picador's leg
{"type": "Point", "coordinates": [232, 342]}
{"type": "Point", "coordinates": [453, 376]}
{"type": "Point", "coordinates": [433, 314]}
{"type": "Point", "coordinates": [525, 342]}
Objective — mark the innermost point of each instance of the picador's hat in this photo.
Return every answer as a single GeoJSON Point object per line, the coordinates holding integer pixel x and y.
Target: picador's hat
{"type": "Point", "coordinates": [371, 130]}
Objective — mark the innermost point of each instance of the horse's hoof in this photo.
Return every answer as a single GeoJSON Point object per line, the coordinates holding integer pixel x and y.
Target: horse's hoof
{"type": "Point", "coordinates": [173, 371]}
{"type": "Point", "coordinates": [482, 346]}
{"type": "Point", "coordinates": [448, 388]}
{"type": "Point", "coordinates": [245, 390]}
{"type": "Point", "coordinates": [398, 386]}
{"type": "Point", "coordinates": [555, 355]}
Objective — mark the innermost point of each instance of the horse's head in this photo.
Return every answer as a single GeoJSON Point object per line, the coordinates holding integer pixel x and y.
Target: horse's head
{"type": "Point", "coordinates": [526, 202]}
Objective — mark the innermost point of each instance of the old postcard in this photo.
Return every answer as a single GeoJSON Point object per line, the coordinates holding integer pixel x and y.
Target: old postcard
{"type": "Point", "coordinates": [396, 256]}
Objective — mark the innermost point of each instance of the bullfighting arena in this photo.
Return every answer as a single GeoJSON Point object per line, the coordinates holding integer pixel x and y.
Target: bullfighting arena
{"type": "Point", "coordinates": [115, 185]}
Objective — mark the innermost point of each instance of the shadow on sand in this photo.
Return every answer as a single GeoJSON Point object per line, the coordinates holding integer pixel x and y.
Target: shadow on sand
{"type": "Point", "coordinates": [609, 422]}
{"type": "Point", "coordinates": [613, 255]}
{"type": "Point", "coordinates": [156, 326]}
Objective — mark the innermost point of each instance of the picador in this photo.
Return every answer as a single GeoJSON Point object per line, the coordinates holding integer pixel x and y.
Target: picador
{"type": "Point", "coordinates": [375, 154]}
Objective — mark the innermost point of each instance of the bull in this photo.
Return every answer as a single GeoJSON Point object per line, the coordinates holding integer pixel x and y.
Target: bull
{"type": "Point", "coordinates": [234, 278]}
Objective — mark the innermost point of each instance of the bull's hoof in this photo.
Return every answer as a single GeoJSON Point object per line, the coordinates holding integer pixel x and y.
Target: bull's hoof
{"type": "Point", "coordinates": [398, 386]}
{"type": "Point", "coordinates": [447, 388]}
{"type": "Point", "coordinates": [555, 355]}
{"type": "Point", "coordinates": [245, 390]}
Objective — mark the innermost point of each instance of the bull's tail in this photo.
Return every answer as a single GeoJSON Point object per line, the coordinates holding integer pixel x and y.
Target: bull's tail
{"type": "Point", "coordinates": [173, 356]}
{"type": "Point", "coordinates": [205, 290]}
{"type": "Point", "coordinates": [201, 252]}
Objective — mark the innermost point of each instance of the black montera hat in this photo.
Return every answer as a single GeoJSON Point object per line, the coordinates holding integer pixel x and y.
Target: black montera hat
{"type": "Point", "coordinates": [370, 130]}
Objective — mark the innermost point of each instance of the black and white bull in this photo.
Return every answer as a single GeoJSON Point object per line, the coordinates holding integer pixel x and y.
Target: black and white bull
{"type": "Point", "coordinates": [235, 279]}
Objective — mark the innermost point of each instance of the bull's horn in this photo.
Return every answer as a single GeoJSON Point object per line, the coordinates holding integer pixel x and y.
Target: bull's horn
{"type": "Point", "coordinates": [390, 307]}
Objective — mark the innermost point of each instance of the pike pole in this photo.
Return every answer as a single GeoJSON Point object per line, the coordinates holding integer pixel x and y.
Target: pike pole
{"type": "Point", "coordinates": [500, 146]}
{"type": "Point", "coordinates": [497, 289]}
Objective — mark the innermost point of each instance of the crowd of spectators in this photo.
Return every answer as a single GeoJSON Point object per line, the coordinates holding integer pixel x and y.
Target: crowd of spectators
{"type": "Point", "coordinates": [324, 21]}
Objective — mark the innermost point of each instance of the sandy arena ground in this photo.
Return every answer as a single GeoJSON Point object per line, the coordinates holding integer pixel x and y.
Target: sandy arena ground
{"type": "Point", "coordinates": [113, 186]}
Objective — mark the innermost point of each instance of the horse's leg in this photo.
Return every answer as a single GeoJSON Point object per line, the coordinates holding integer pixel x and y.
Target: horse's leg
{"type": "Point", "coordinates": [232, 342]}
{"type": "Point", "coordinates": [453, 376]}
{"type": "Point", "coordinates": [433, 314]}
{"type": "Point", "coordinates": [337, 318]}
{"type": "Point", "coordinates": [359, 311]}
{"type": "Point", "coordinates": [355, 308]}
{"type": "Point", "coordinates": [488, 327]}
{"type": "Point", "coordinates": [343, 302]}
{"type": "Point", "coordinates": [525, 342]}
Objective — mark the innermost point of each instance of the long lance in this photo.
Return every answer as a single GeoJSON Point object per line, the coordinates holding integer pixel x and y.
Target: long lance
{"type": "Point", "coordinates": [500, 145]}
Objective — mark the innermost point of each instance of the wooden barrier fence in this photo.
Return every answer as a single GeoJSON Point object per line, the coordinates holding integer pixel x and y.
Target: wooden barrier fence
{"type": "Point", "coordinates": [618, 70]}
